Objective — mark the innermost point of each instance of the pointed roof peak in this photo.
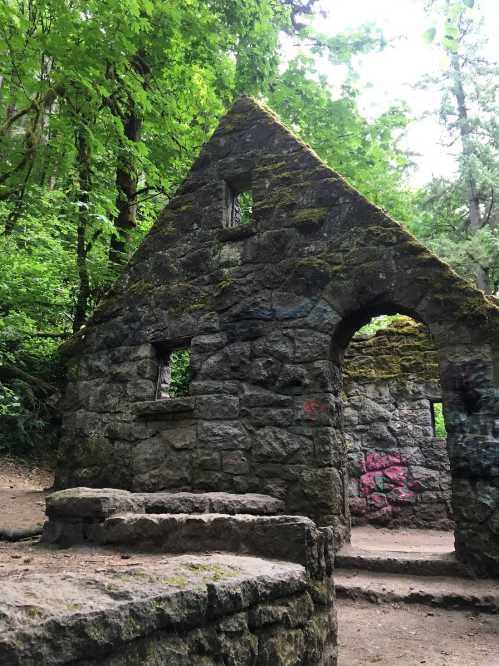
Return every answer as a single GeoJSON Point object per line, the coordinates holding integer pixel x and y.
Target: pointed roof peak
{"type": "Point", "coordinates": [244, 110]}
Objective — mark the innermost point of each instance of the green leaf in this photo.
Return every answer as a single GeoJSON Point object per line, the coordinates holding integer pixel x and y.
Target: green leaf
{"type": "Point", "coordinates": [469, 3]}
{"type": "Point", "coordinates": [450, 44]}
{"type": "Point", "coordinates": [429, 35]}
{"type": "Point", "coordinates": [452, 31]}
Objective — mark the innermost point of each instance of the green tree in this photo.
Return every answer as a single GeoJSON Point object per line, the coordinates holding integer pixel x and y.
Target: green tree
{"type": "Point", "coordinates": [103, 106]}
{"type": "Point", "coordinates": [460, 216]}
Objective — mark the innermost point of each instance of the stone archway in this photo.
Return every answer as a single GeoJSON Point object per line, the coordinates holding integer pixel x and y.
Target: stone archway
{"type": "Point", "coordinates": [469, 397]}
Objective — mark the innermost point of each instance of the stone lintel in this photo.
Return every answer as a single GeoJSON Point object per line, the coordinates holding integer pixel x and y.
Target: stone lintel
{"type": "Point", "coordinates": [164, 408]}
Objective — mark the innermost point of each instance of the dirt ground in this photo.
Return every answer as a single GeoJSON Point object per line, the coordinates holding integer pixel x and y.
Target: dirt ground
{"type": "Point", "coordinates": [410, 635]}
{"type": "Point", "coordinates": [22, 493]}
{"type": "Point", "coordinates": [404, 540]}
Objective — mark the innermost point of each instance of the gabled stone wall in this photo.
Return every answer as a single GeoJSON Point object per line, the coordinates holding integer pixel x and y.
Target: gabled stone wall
{"type": "Point", "coordinates": [399, 471]}
{"type": "Point", "coordinates": [268, 309]}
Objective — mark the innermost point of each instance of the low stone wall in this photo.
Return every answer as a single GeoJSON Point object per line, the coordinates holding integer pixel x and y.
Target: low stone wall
{"type": "Point", "coordinates": [184, 611]}
{"type": "Point", "coordinates": [275, 608]}
{"type": "Point", "coordinates": [399, 470]}
{"type": "Point", "coordinates": [118, 517]}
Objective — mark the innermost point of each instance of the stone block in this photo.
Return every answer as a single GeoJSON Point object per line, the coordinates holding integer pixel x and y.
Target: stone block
{"type": "Point", "coordinates": [264, 398]}
{"type": "Point", "coordinates": [207, 344]}
{"type": "Point", "coordinates": [183, 437]}
{"type": "Point", "coordinates": [426, 479]}
{"type": "Point", "coordinates": [330, 448]}
{"type": "Point", "coordinates": [276, 345]}
{"type": "Point", "coordinates": [217, 407]}
{"type": "Point", "coordinates": [263, 416]}
{"type": "Point", "coordinates": [222, 435]}
{"type": "Point", "coordinates": [213, 387]}
{"type": "Point", "coordinates": [92, 503]}
{"type": "Point", "coordinates": [321, 410]}
{"type": "Point", "coordinates": [272, 444]}
{"type": "Point", "coordinates": [264, 371]}
{"type": "Point", "coordinates": [209, 460]}
{"type": "Point", "coordinates": [164, 408]}
{"type": "Point", "coordinates": [235, 462]}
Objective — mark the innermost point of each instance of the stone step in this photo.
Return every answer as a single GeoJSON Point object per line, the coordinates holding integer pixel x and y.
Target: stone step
{"type": "Point", "coordinates": [392, 561]}
{"type": "Point", "coordinates": [438, 591]}
{"type": "Point", "coordinates": [99, 503]}
{"type": "Point", "coordinates": [286, 538]}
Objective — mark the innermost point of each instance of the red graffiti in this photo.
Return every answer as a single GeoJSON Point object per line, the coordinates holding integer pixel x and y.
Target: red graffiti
{"type": "Point", "coordinates": [314, 407]}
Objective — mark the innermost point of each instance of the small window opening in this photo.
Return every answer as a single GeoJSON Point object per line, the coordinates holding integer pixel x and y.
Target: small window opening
{"type": "Point", "coordinates": [437, 419]}
{"type": "Point", "coordinates": [238, 202]}
{"type": "Point", "coordinates": [174, 372]}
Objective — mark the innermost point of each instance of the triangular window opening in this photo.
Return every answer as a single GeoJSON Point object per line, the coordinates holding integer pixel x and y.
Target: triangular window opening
{"type": "Point", "coordinates": [238, 209]}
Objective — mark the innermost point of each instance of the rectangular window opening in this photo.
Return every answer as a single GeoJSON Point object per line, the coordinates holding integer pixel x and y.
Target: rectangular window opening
{"type": "Point", "coordinates": [174, 371]}
{"type": "Point", "coordinates": [238, 202]}
{"type": "Point", "coordinates": [437, 419]}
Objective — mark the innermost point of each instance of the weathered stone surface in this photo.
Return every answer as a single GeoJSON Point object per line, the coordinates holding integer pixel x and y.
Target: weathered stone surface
{"type": "Point", "coordinates": [163, 408]}
{"type": "Point", "coordinates": [294, 538]}
{"type": "Point", "coordinates": [217, 407]}
{"type": "Point", "coordinates": [274, 307]}
{"type": "Point", "coordinates": [187, 610]}
{"type": "Point", "coordinates": [95, 503]}
{"type": "Point", "coordinates": [290, 538]}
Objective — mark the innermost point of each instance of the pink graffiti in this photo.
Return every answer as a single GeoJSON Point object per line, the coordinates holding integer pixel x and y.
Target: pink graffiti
{"type": "Point", "coordinates": [378, 501]}
{"type": "Point", "coordinates": [385, 483]}
{"type": "Point", "coordinates": [402, 496]}
{"type": "Point", "coordinates": [376, 461]}
{"type": "Point", "coordinates": [370, 482]}
{"type": "Point", "coordinates": [397, 475]}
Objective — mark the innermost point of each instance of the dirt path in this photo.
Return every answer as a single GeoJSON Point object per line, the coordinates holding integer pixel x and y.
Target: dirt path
{"type": "Point", "coordinates": [405, 540]}
{"type": "Point", "coordinates": [397, 635]}
{"type": "Point", "coordinates": [22, 493]}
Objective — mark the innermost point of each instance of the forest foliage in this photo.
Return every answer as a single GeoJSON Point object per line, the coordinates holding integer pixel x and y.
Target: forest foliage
{"type": "Point", "coordinates": [104, 105]}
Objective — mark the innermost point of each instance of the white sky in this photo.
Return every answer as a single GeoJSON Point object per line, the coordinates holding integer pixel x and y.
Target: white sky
{"type": "Point", "coordinates": [388, 76]}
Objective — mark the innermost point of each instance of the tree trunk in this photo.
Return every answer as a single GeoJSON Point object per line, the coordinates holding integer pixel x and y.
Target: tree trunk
{"type": "Point", "coordinates": [126, 171]}
{"type": "Point", "coordinates": [83, 148]}
{"type": "Point", "coordinates": [474, 216]}
{"type": "Point", "coordinates": [472, 194]}
{"type": "Point", "coordinates": [126, 200]}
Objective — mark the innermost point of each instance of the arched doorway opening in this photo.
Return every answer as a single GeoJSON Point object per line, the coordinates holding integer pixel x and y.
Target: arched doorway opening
{"type": "Point", "coordinates": [396, 441]}
{"type": "Point", "coordinates": [469, 399]}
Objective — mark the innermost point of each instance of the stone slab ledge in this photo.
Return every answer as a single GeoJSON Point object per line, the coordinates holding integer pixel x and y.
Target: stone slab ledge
{"type": "Point", "coordinates": [287, 538]}
{"type": "Point", "coordinates": [182, 610]}
{"type": "Point", "coordinates": [99, 503]}
{"type": "Point", "coordinates": [415, 563]}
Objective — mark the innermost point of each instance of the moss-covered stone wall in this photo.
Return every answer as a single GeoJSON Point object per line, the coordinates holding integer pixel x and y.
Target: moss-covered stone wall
{"type": "Point", "coordinates": [268, 309]}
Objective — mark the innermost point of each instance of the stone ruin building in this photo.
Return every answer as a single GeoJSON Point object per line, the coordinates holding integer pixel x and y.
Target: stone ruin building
{"type": "Point", "coordinates": [254, 459]}
{"type": "Point", "coordinates": [399, 471]}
